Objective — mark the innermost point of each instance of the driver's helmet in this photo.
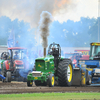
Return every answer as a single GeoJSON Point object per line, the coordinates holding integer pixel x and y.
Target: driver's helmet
{"type": "Point", "coordinates": [53, 48]}
{"type": "Point", "coordinates": [4, 54]}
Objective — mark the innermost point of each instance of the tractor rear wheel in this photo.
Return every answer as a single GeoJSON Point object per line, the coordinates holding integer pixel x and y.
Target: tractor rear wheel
{"type": "Point", "coordinates": [51, 80]}
{"type": "Point", "coordinates": [65, 72]}
{"type": "Point", "coordinates": [8, 76]}
{"type": "Point", "coordinates": [29, 83]}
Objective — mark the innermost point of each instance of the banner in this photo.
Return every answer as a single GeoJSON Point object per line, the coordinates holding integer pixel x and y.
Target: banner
{"type": "Point", "coordinates": [11, 39]}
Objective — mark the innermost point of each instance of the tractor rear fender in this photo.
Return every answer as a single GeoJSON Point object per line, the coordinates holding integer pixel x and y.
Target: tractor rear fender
{"type": "Point", "coordinates": [18, 62]}
{"type": "Point", "coordinates": [6, 64]}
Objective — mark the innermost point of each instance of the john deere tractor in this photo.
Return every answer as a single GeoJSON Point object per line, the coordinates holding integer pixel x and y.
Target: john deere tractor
{"type": "Point", "coordinates": [52, 69]}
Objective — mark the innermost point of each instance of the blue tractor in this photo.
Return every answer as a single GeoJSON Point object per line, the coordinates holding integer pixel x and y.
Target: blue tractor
{"type": "Point", "coordinates": [92, 66]}
{"type": "Point", "coordinates": [2, 77]}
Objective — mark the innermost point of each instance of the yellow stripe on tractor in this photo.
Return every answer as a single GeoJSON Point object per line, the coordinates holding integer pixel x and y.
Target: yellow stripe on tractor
{"type": "Point", "coordinates": [98, 44]}
{"type": "Point", "coordinates": [89, 69]}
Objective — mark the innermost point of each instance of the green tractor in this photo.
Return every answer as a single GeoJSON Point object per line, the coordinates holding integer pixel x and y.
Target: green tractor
{"type": "Point", "coordinates": [52, 69]}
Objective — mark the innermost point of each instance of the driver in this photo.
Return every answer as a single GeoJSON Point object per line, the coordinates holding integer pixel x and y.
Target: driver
{"type": "Point", "coordinates": [51, 53]}
{"type": "Point", "coordinates": [5, 56]}
{"type": "Point", "coordinates": [16, 55]}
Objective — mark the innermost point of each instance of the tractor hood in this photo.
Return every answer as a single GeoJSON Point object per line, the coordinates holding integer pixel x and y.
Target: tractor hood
{"type": "Point", "coordinates": [44, 63]}
{"type": "Point", "coordinates": [18, 62]}
{"type": "Point", "coordinates": [47, 58]}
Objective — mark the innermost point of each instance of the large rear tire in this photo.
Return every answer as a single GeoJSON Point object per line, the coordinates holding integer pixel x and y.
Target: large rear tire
{"type": "Point", "coordinates": [8, 76]}
{"type": "Point", "coordinates": [65, 72]}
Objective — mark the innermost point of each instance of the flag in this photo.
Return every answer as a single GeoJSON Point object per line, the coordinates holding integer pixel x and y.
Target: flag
{"type": "Point", "coordinates": [11, 39]}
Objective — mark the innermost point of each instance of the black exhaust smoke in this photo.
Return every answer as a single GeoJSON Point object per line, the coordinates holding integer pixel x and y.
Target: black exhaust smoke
{"type": "Point", "coordinates": [44, 23]}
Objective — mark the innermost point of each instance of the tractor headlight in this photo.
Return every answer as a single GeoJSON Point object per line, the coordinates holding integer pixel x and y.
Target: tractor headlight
{"type": "Point", "coordinates": [19, 67]}
{"type": "Point", "coordinates": [80, 62]}
{"type": "Point", "coordinates": [41, 73]}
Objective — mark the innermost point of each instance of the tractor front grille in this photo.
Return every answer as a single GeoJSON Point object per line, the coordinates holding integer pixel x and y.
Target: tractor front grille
{"type": "Point", "coordinates": [36, 73]}
{"type": "Point", "coordinates": [19, 67]}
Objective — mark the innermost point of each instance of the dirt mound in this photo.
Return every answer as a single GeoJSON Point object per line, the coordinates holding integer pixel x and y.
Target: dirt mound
{"type": "Point", "coordinates": [21, 87]}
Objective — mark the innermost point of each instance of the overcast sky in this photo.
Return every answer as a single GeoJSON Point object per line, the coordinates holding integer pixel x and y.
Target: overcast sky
{"type": "Point", "coordinates": [83, 8]}
{"type": "Point", "coordinates": [61, 10]}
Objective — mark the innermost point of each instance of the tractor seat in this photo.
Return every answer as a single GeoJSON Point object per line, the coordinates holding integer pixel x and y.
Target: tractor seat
{"type": "Point", "coordinates": [56, 52]}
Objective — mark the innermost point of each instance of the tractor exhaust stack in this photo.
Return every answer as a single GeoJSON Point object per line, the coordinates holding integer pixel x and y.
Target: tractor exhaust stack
{"type": "Point", "coordinates": [44, 52]}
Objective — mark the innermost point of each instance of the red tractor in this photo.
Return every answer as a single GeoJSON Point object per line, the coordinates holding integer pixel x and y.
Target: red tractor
{"type": "Point", "coordinates": [75, 56]}
{"type": "Point", "coordinates": [16, 66]}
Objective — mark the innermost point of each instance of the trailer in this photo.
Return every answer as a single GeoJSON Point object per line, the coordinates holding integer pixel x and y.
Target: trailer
{"type": "Point", "coordinates": [75, 56]}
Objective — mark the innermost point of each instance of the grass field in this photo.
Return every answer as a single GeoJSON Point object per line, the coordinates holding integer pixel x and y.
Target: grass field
{"type": "Point", "coordinates": [50, 96]}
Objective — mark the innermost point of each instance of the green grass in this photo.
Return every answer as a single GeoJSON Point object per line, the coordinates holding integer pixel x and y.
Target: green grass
{"type": "Point", "coordinates": [50, 96]}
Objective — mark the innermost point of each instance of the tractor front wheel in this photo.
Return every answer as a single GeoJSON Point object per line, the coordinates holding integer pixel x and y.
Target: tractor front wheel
{"type": "Point", "coordinates": [51, 80]}
{"type": "Point", "coordinates": [8, 76]}
{"type": "Point", "coordinates": [29, 83]}
{"type": "Point", "coordinates": [89, 80]}
{"type": "Point", "coordinates": [65, 72]}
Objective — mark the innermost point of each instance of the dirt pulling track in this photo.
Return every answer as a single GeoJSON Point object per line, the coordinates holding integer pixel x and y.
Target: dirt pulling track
{"type": "Point", "coordinates": [21, 87]}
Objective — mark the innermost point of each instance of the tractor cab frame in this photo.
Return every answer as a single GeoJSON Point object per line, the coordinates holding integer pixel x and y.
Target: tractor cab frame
{"type": "Point", "coordinates": [95, 51]}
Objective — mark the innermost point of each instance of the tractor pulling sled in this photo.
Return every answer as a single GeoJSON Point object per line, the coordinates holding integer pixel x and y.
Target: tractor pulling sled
{"type": "Point", "coordinates": [92, 66]}
{"type": "Point", "coordinates": [14, 69]}
{"type": "Point", "coordinates": [55, 70]}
